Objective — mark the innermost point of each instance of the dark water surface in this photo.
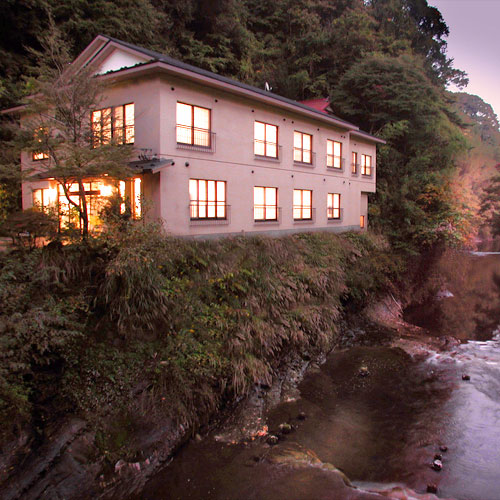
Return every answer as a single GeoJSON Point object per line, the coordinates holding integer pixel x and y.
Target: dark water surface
{"type": "Point", "coordinates": [379, 429]}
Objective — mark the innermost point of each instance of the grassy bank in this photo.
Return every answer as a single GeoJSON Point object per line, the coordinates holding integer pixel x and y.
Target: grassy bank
{"type": "Point", "coordinates": [136, 328]}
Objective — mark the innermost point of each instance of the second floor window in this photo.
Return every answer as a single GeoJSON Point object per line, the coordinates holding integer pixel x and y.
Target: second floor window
{"type": "Point", "coordinates": [354, 163]}
{"type": "Point", "coordinates": [265, 139]}
{"type": "Point", "coordinates": [333, 206]}
{"type": "Point", "coordinates": [265, 203]}
{"type": "Point", "coordinates": [193, 125]}
{"type": "Point", "coordinates": [366, 165]}
{"type": "Point", "coordinates": [302, 147]}
{"type": "Point", "coordinates": [41, 138]}
{"type": "Point", "coordinates": [207, 199]}
{"type": "Point", "coordinates": [333, 154]}
{"type": "Point", "coordinates": [302, 204]}
{"type": "Point", "coordinates": [116, 123]}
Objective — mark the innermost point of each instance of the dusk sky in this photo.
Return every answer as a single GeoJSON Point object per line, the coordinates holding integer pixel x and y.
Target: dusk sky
{"type": "Point", "coordinates": [474, 44]}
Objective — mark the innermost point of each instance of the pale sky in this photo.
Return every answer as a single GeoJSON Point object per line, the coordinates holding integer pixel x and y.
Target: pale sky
{"type": "Point", "coordinates": [474, 44]}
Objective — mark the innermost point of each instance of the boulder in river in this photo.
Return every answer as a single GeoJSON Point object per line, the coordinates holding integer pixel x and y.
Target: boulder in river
{"type": "Point", "coordinates": [437, 465]}
{"type": "Point", "coordinates": [363, 371]}
{"type": "Point", "coordinates": [465, 377]}
{"type": "Point", "coordinates": [272, 439]}
{"type": "Point", "coordinates": [285, 428]}
{"type": "Point", "coordinates": [432, 488]}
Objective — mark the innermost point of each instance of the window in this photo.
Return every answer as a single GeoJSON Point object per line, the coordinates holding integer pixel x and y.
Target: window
{"type": "Point", "coordinates": [366, 165]}
{"type": "Point", "coordinates": [207, 199]}
{"type": "Point", "coordinates": [116, 123]}
{"type": "Point", "coordinates": [40, 137]}
{"type": "Point", "coordinates": [193, 125]}
{"type": "Point", "coordinates": [44, 198]}
{"type": "Point", "coordinates": [333, 206]}
{"type": "Point", "coordinates": [265, 203]}
{"type": "Point", "coordinates": [354, 165]}
{"type": "Point", "coordinates": [265, 140]}
{"type": "Point", "coordinates": [302, 146]}
{"type": "Point", "coordinates": [362, 221]}
{"type": "Point", "coordinates": [333, 154]}
{"type": "Point", "coordinates": [302, 204]}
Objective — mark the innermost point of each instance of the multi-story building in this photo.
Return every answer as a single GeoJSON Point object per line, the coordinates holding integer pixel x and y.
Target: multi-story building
{"type": "Point", "coordinates": [216, 156]}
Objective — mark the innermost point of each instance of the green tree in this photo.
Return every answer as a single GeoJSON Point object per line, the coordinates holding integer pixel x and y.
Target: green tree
{"type": "Point", "coordinates": [56, 123]}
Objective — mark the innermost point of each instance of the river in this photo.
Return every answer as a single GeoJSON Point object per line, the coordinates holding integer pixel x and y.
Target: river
{"type": "Point", "coordinates": [378, 413]}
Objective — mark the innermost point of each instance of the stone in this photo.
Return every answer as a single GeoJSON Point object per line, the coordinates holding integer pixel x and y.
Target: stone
{"type": "Point", "coordinates": [432, 488]}
{"type": "Point", "coordinates": [197, 437]}
{"type": "Point", "coordinates": [437, 465]}
{"type": "Point", "coordinates": [437, 456]}
{"type": "Point", "coordinates": [363, 371]}
{"type": "Point", "coordinates": [285, 428]}
{"type": "Point", "coordinates": [443, 448]}
{"type": "Point", "coordinates": [465, 377]}
{"type": "Point", "coordinates": [272, 440]}
{"type": "Point", "coordinates": [301, 415]}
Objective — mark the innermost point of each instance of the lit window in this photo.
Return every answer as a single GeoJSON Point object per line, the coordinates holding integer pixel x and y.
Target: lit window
{"type": "Point", "coordinates": [354, 164]}
{"type": "Point", "coordinates": [115, 123]}
{"type": "Point", "coordinates": [41, 138]}
{"type": "Point", "coordinates": [207, 199]}
{"type": "Point", "coordinates": [265, 139]}
{"type": "Point", "coordinates": [265, 203]}
{"type": "Point", "coordinates": [302, 147]}
{"type": "Point", "coordinates": [44, 198]}
{"type": "Point", "coordinates": [366, 165]}
{"type": "Point", "coordinates": [193, 125]}
{"type": "Point", "coordinates": [333, 206]}
{"type": "Point", "coordinates": [362, 221]}
{"type": "Point", "coordinates": [302, 204]}
{"type": "Point", "coordinates": [333, 154]}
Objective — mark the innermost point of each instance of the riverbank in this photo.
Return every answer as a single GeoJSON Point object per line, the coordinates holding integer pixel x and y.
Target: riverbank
{"type": "Point", "coordinates": [118, 352]}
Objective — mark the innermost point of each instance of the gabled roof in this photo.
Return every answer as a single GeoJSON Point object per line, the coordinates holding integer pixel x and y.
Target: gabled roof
{"type": "Point", "coordinates": [322, 104]}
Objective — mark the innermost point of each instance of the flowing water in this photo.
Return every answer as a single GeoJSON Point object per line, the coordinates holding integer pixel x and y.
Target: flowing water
{"type": "Point", "coordinates": [382, 429]}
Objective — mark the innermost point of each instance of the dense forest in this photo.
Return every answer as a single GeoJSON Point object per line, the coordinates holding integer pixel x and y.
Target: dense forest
{"type": "Point", "coordinates": [383, 64]}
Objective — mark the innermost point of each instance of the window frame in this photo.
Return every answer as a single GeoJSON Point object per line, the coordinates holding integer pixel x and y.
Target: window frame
{"type": "Point", "coordinates": [193, 126]}
{"type": "Point", "coordinates": [302, 207]}
{"type": "Point", "coordinates": [354, 162]}
{"type": "Point", "coordinates": [366, 170]}
{"type": "Point", "coordinates": [99, 139]}
{"type": "Point", "coordinates": [266, 207]}
{"type": "Point", "coordinates": [266, 142]}
{"type": "Point", "coordinates": [207, 201]}
{"type": "Point", "coordinates": [331, 208]}
{"type": "Point", "coordinates": [330, 158]}
{"type": "Point", "coordinates": [301, 149]}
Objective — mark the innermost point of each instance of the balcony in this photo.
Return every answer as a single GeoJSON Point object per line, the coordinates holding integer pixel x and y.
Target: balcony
{"type": "Point", "coordinates": [266, 214]}
{"type": "Point", "coordinates": [335, 163]}
{"type": "Point", "coordinates": [209, 213]}
{"type": "Point", "coordinates": [305, 155]}
{"type": "Point", "coordinates": [335, 214]}
{"type": "Point", "coordinates": [355, 169]}
{"type": "Point", "coordinates": [268, 151]}
{"type": "Point", "coordinates": [195, 139]}
{"type": "Point", "coordinates": [303, 214]}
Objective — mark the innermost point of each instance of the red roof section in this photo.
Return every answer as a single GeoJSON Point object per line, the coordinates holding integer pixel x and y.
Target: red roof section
{"type": "Point", "coordinates": [318, 104]}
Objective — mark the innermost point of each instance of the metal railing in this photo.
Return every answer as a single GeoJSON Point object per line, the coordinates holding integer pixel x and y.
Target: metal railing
{"type": "Point", "coordinates": [195, 139]}
{"type": "Point", "coordinates": [266, 213]}
{"type": "Point", "coordinates": [334, 214]}
{"type": "Point", "coordinates": [302, 213]}
{"type": "Point", "coordinates": [355, 168]}
{"type": "Point", "coordinates": [305, 154]}
{"type": "Point", "coordinates": [336, 163]}
{"type": "Point", "coordinates": [265, 150]}
{"type": "Point", "coordinates": [206, 212]}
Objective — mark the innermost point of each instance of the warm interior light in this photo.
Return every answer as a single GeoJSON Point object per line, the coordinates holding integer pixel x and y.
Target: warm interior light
{"type": "Point", "coordinates": [137, 198]}
{"type": "Point", "coordinates": [106, 190]}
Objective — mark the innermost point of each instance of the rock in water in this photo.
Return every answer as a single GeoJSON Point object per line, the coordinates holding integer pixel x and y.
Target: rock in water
{"type": "Point", "coordinates": [465, 377]}
{"type": "Point", "coordinates": [432, 488]}
{"type": "Point", "coordinates": [272, 440]}
{"type": "Point", "coordinates": [363, 371]}
{"type": "Point", "coordinates": [443, 448]}
{"type": "Point", "coordinates": [437, 465]}
{"type": "Point", "coordinates": [285, 428]}
{"type": "Point", "coordinates": [301, 416]}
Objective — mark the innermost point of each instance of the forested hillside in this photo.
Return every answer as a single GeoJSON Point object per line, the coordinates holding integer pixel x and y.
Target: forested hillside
{"type": "Point", "coordinates": [382, 63]}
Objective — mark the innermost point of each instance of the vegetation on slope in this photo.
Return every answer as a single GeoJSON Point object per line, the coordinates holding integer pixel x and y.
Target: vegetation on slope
{"type": "Point", "coordinates": [138, 327]}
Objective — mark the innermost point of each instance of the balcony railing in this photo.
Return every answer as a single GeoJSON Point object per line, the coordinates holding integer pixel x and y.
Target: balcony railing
{"type": "Point", "coordinates": [305, 155]}
{"type": "Point", "coordinates": [195, 139]}
{"type": "Point", "coordinates": [334, 214]}
{"type": "Point", "coordinates": [336, 163]}
{"type": "Point", "coordinates": [355, 169]}
{"type": "Point", "coordinates": [303, 213]}
{"type": "Point", "coordinates": [265, 150]}
{"type": "Point", "coordinates": [266, 214]}
{"type": "Point", "coordinates": [208, 213]}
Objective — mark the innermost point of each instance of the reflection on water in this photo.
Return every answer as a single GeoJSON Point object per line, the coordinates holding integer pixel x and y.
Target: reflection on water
{"type": "Point", "coordinates": [380, 429]}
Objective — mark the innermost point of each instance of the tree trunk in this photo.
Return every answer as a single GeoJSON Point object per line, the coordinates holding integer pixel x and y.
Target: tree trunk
{"type": "Point", "coordinates": [84, 216]}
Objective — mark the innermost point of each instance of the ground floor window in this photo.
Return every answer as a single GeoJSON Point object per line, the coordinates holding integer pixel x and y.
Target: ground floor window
{"type": "Point", "coordinates": [207, 199]}
{"type": "Point", "coordinates": [362, 221]}
{"type": "Point", "coordinates": [302, 204]}
{"type": "Point", "coordinates": [265, 203]}
{"type": "Point", "coordinates": [333, 206]}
